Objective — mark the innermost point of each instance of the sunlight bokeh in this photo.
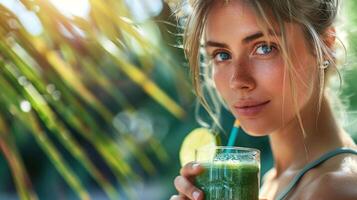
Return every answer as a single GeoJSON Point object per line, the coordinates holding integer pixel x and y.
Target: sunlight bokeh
{"type": "Point", "coordinates": [27, 18]}
{"type": "Point", "coordinates": [144, 9]}
{"type": "Point", "coordinates": [79, 8]}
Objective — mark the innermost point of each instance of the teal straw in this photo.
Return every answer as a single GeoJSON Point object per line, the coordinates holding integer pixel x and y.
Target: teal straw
{"type": "Point", "coordinates": [233, 136]}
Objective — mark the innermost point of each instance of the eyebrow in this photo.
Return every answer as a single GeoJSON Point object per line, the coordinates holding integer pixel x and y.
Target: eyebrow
{"type": "Point", "coordinates": [246, 40]}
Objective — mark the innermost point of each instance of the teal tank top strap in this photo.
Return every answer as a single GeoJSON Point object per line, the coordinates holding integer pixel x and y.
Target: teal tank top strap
{"type": "Point", "coordinates": [311, 165]}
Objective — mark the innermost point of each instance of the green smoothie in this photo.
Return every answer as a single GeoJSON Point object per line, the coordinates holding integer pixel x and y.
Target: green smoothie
{"type": "Point", "coordinates": [229, 181]}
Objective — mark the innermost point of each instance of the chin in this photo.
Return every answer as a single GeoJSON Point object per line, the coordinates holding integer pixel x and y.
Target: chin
{"type": "Point", "coordinates": [256, 131]}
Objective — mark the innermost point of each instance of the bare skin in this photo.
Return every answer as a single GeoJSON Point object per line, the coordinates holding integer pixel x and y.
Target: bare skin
{"type": "Point", "coordinates": [251, 71]}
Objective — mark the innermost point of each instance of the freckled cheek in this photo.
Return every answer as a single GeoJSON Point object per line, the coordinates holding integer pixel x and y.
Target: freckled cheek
{"type": "Point", "coordinates": [270, 77]}
{"type": "Point", "coordinates": [221, 79]}
{"type": "Point", "coordinates": [306, 73]}
{"type": "Point", "coordinates": [305, 65]}
{"type": "Point", "coordinates": [269, 74]}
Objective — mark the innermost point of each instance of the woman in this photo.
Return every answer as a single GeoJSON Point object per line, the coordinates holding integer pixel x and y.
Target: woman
{"type": "Point", "coordinates": [269, 61]}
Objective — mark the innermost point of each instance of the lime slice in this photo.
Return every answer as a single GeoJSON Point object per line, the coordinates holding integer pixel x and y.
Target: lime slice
{"type": "Point", "coordinates": [198, 138]}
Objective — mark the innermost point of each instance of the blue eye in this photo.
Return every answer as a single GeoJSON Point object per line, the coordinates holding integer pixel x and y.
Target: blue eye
{"type": "Point", "coordinates": [222, 56]}
{"type": "Point", "coordinates": [264, 49]}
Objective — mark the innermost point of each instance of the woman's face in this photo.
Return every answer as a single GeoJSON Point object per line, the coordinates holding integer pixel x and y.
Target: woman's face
{"type": "Point", "coordinates": [248, 68]}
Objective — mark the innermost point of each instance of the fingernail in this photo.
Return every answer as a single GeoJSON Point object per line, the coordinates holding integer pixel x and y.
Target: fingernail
{"type": "Point", "coordinates": [195, 166]}
{"type": "Point", "coordinates": [195, 195]}
{"type": "Point", "coordinates": [173, 197]}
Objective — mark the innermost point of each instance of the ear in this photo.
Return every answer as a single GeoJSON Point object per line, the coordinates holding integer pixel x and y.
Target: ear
{"type": "Point", "coordinates": [329, 37]}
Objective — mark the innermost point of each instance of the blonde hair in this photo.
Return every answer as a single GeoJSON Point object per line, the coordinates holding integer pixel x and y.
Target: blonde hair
{"type": "Point", "coordinates": [314, 16]}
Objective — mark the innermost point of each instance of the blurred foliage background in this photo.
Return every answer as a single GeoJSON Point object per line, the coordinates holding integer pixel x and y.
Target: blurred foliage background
{"type": "Point", "coordinates": [95, 99]}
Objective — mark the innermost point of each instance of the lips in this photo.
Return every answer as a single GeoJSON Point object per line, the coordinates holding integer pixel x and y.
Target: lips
{"type": "Point", "coordinates": [250, 108]}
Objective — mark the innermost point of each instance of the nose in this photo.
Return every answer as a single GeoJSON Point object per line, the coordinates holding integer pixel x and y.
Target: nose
{"type": "Point", "coordinates": [242, 78]}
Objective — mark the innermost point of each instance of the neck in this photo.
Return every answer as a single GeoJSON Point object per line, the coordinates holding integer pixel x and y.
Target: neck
{"type": "Point", "coordinates": [291, 150]}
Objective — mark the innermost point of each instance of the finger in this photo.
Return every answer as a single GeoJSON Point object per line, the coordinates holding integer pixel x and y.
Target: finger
{"type": "Point", "coordinates": [185, 187]}
{"type": "Point", "coordinates": [178, 197]}
{"type": "Point", "coordinates": [191, 169]}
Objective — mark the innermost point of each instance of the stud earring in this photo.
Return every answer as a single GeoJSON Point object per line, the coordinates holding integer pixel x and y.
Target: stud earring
{"type": "Point", "coordinates": [325, 64]}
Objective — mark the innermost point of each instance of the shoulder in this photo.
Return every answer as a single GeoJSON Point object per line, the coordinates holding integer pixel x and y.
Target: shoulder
{"type": "Point", "coordinates": [333, 186]}
{"type": "Point", "coordinates": [340, 183]}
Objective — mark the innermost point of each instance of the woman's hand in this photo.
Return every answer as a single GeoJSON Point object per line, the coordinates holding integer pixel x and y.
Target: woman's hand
{"type": "Point", "coordinates": [184, 183]}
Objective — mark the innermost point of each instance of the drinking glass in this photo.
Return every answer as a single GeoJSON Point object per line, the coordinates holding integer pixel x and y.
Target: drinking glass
{"type": "Point", "coordinates": [230, 173]}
